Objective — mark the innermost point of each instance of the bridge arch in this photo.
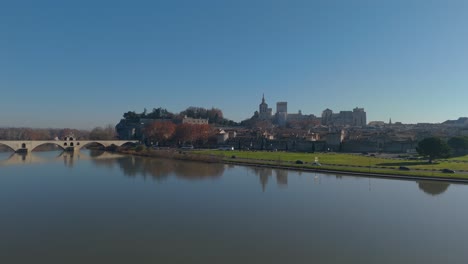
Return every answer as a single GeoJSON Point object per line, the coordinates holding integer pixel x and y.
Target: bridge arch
{"type": "Point", "coordinates": [81, 146]}
{"type": "Point", "coordinates": [30, 145]}
{"type": "Point", "coordinates": [48, 143]}
{"type": "Point", "coordinates": [8, 145]}
{"type": "Point", "coordinates": [124, 143]}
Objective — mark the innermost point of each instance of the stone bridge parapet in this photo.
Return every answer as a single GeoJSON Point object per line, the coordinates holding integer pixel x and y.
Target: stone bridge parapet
{"type": "Point", "coordinates": [68, 144]}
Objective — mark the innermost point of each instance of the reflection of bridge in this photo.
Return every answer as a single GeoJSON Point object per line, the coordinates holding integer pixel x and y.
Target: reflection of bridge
{"type": "Point", "coordinates": [24, 158]}
{"type": "Point", "coordinates": [67, 144]}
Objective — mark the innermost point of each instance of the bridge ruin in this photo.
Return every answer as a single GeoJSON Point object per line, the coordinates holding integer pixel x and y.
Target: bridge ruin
{"type": "Point", "coordinates": [68, 144]}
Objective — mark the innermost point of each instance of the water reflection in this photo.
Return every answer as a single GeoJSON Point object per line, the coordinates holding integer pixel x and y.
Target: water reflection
{"type": "Point", "coordinates": [19, 158]}
{"type": "Point", "coordinates": [432, 187]}
{"type": "Point", "coordinates": [67, 157]}
{"type": "Point", "coordinates": [265, 173]}
{"type": "Point", "coordinates": [160, 169]}
{"type": "Point", "coordinates": [282, 178]}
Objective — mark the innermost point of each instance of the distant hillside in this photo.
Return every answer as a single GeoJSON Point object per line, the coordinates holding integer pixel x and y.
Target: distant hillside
{"type": "Point", "coordinates": [459, 122]}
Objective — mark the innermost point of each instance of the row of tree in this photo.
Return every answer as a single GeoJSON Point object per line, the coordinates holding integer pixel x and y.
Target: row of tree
{"type": "Point", "coordinates": [166, 132]}
{"type": "Point", "coordinates": [434, 147]}
{"type": "Point", "coordinates": [13, 133]}
{"type": "Point", "coordinates": [156, 113]}
{"type": "Point", "coordinates": [214, 115]}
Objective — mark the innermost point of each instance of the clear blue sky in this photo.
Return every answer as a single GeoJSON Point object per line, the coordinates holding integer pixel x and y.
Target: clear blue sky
{"type": "Point", "coordinates": [82, 64]}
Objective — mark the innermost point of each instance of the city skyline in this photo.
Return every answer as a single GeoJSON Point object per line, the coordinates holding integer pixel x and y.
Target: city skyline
{"type": "Point", "coordinates": [84, 65]}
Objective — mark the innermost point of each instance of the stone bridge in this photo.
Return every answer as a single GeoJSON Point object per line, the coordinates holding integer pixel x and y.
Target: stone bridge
{"type": "Point", "coordinates": [67, 144]}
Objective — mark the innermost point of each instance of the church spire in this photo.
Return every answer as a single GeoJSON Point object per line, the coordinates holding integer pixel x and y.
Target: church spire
{"type": "Point", "coordinates": [263, 98]}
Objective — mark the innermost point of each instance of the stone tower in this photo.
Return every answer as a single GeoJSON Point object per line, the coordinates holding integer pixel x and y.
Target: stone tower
{"type": "Point", "coordinates": [264, 112]}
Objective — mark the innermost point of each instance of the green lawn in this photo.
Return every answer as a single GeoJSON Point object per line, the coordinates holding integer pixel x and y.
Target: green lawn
{"type": "Point", "coordinates": [461, 159]}
{"type": "Point", "coordinates": [349, 162]}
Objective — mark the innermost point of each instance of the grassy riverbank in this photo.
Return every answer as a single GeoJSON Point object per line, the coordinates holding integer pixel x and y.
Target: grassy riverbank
{"type": "Point", "coordinates": [334, 162]}
{"type": "Point", "coordinates": [347, 162]}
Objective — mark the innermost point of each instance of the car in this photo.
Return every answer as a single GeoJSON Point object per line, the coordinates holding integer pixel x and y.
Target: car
{"type": "Point", "coordinates": [404, 168]}
{"type": "Point", "coordinates": [447, 171]}
{"type": "Point", "coordinates": [225, 148]}
{"type": "Point", "coordinates": [187, 147]}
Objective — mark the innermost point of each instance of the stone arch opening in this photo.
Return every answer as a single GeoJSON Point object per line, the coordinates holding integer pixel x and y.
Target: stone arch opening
{"type": "Point", "coordinates": [5, 147]}
{"type": "Point", "coordinates": [23, 145]}
{"type": "Point", "coordinates": [48, 146]}
{"type": "Point", "coordinates": [70, 138]}
{"type": "Point", "coordinates": [128, 144]}
{"type": "Point", "coordinates": [65, 144]}
{"type": "Point", "coordinates": [93, 144]}
{"type": "Point", "coordinates": [71, 144]}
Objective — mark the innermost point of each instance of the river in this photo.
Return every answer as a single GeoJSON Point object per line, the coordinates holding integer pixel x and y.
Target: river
{"type": "Point", "coordinates": [97, 207]}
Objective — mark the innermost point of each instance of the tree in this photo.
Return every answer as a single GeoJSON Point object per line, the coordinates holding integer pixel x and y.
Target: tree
{"type": "Point", "coordinates": [160, 131]}
{"type": "Point", "coordinates": [202, 133]}
{"type": "Point", "coordinates": [184, 133]}
{"type": "Point", "coordinates": [458, 144]}
{"type": "Point", "coordinates": [159, 113]}
{"type": "Point", "coordinates": [193, 133]}
{"type": "Point", "coordinates": [214, 115]}
{"type": "Point", "coordinates": [433, 147]}
{"type": "Point", "coordinates": [131, 116]}
{"type": "Point", "coordinates": [99, 133]}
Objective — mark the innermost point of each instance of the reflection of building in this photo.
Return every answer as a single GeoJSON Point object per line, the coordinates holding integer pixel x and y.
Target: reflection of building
{"type": "Point", "coordinates": [68, 159]}
{"type": "Point", "coordinates": [263, 174]}
{"type": "Point", "coordinates": [282, 177]}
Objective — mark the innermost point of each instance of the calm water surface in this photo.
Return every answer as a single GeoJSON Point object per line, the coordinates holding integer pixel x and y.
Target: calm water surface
{"type": "Point", "coordinates": [94, 207]}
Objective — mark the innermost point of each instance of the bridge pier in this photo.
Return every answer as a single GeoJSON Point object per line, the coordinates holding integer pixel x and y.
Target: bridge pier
{"type": "Point", "coordinates": [22, 150]}
{"type": "Point", "coordinates": [70, 149]}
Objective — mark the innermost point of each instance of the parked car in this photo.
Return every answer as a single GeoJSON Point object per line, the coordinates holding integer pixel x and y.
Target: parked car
{"type": "Point", "coordinates": [225, 148]}
{"type": "Point", "coordinates": [404, 168]}
{"type": "Point", "coordinates": [187, 147]}
{"type": "Point", "coordinates": [447, 171]}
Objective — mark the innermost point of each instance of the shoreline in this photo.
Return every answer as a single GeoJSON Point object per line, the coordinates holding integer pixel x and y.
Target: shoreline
{"type": "Point", "coordinates": [187, 156]}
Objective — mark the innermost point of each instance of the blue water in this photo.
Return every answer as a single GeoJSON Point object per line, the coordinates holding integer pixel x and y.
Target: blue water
{"type": "Point", "coordinates": [93, 207]}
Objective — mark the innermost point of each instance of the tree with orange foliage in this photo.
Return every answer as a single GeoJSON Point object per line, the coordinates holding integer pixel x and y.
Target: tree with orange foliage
{"type": "Point", "coordinates": [184, 133]}
{"type": "Point", "coordinates": [202, 133]}
{"type": "Point", "coordinates": [190, 133]}
{"type": "Point", "coordinates": [160, 131]}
